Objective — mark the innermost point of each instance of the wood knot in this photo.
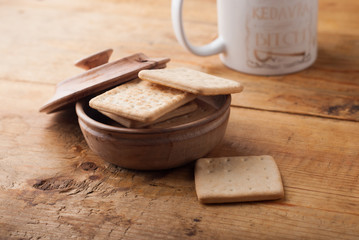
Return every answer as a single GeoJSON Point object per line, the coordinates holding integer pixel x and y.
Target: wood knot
{"type": "Point", "coordinates": [87, 166]}
{"type": "Point", "coordinates": [338, 110]}
{"type": "Point", "coordinates": [54, 184]}
{"type": "Point", "coordinates": [94, 177]}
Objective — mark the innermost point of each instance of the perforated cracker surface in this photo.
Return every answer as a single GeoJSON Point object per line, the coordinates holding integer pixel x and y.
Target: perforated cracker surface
{"type": "Point", "coordinates": [237, 179]}
{"type": "Point", "coordinates": [140, 100]}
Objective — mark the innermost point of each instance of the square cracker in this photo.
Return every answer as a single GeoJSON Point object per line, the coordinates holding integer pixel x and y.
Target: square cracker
{"type": "Point", "coordinates": [237, 179]}
{"type": "Point", "coordinates": [191, 81]}
{"type": "Point", "coordinates": [182, 110]}
{"type": "Point", "coordinates": [140, 100]}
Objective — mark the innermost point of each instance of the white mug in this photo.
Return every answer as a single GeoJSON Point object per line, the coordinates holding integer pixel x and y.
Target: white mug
{"type": "Point", "coordinates": [261, 37]}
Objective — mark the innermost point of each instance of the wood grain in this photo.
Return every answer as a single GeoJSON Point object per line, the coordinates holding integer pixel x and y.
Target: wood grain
{"type": "Point", "coordinates": [52, 186]}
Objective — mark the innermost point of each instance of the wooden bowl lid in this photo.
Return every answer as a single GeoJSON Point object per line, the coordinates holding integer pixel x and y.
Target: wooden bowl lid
{"type": "Point", "coordinates": [98, 79]}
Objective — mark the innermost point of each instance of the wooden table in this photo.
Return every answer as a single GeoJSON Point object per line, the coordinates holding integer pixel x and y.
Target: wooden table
{"type": "Point", "coordinates": [52, 186]}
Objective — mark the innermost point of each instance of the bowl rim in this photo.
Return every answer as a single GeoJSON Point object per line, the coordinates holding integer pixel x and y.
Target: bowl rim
{"type": "Point", "coordinates": [80, 105]}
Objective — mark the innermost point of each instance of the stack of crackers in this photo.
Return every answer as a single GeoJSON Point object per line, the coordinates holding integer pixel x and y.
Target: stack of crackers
{"type": "Point", "coordinates": [161, 94]}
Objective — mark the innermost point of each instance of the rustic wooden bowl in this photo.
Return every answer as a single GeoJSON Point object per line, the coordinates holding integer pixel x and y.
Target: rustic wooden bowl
{"type": "Point", "coordinates": [159, 148]}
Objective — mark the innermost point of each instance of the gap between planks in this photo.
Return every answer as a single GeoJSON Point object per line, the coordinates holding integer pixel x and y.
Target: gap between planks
{"type": "Point", "coordinates": [295, 113]}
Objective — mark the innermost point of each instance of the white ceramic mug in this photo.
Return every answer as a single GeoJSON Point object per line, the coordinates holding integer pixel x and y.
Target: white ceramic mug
{"type": "Point", "coordinates": [262, 37]}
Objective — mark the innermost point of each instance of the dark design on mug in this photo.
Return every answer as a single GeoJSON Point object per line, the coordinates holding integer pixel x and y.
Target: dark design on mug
{"type": "Point", "coordinates": [279, 36]}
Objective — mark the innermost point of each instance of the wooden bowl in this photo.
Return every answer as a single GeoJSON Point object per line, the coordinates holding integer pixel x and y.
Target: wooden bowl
{"type": "Point", "coordinates": [155, 148]}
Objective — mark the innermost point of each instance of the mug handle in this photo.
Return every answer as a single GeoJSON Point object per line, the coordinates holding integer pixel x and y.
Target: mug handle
{"type": "Point", "coordinates": [216, 46]}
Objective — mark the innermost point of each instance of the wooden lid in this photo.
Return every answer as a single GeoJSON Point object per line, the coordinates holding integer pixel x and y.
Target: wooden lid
{"type": "Point", "coordinates": [98, 79]}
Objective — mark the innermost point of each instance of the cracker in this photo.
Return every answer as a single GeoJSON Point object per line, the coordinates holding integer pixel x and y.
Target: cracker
{"type": "Point", "coordinates": [203, 110]}
{"type": "Point", "coordinates": [191, 81]}
{"type": "Point", "coordinates": [140, 100]}
{"type": "Point", "coordinates": [185, 109]}
{"type": "Point", "coordinates": [237, 179]}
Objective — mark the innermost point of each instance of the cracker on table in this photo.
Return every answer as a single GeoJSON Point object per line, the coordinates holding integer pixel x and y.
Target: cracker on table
{"type": "Point", "coordinates": [191, 81]}
{"type": "Point", "coordinates": [140, 100]}
{"type": "Point", "coordinates": [237, 179]}
{"type": "Point", "coordinates": [182, 110]}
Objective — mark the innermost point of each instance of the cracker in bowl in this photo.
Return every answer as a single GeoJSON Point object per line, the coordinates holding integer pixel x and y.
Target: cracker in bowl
{"type": "Point", "coordinates": [140, 100]}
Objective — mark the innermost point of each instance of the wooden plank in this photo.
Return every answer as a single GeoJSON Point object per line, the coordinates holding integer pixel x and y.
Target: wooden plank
{"type": "Point", "coordinates": [312, 154]}
{"type": "Point", "coordinates": [340, 17]}
{"type": "Point", "coordinates": [53, 186]}
{"type": "Point", "coordinates": [40, 52]}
